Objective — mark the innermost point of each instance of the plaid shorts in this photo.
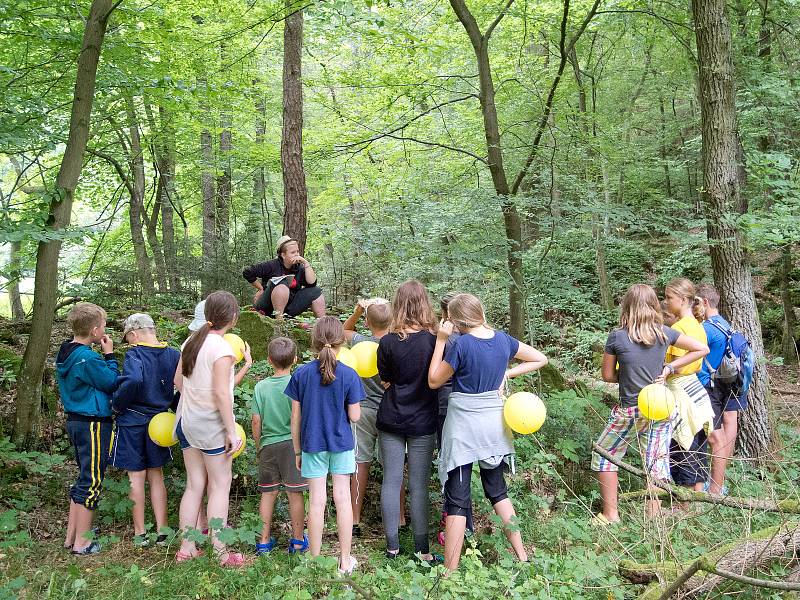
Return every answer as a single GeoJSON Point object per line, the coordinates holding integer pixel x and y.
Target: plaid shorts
{"type": "Point", "coordinates": [653, 437]}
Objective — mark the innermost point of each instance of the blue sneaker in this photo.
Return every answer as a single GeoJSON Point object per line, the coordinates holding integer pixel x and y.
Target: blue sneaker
{"type": "Point", "coordinates": [264, 548]}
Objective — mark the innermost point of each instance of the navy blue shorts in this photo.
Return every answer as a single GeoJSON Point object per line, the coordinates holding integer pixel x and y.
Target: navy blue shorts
{"type": "Point", "coordinates": [184, 443]}
{"type": "Point", "coordinates": [91, 439]}
{"type": "Point", "coordinates": [133, 450]}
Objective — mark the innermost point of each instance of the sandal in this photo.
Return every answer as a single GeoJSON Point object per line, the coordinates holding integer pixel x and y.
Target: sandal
{"type": "Point", "coordinates": [298, 546]}
{"type": "Point", "coordinates": [234, 560]}
{"type": "Point", "coordinates": [350, 568]}
{"type": "Point", "coordinates": [601, 520]}
{"type": "Point", "coordinates": [266, 547]}
{"type": "Point", "coordinates": [181, 556]}
{"type": "Point", "coordinates": [392, 554]}
{"type": "Point", "coordinates": [435, 559]}
{"type": "Point", "coordinates": [92, 548]}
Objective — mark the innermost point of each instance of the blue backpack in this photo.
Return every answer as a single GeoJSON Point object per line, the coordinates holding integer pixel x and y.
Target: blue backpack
{"type": "Point", "coordinates": [738, 360]}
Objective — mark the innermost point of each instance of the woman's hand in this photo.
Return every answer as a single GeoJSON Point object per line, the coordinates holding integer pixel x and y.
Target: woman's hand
{"type": "Point", "coordinates": [299, 259]}
{"type": "Point", "coordinates": [665, 372]}
{"type": "Point", "coordinates": [232, 442]}
{"type": "Point", "coordinates": [445, 330]}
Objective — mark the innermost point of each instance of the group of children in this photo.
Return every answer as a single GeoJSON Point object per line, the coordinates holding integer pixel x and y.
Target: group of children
{"type": "Point", "coordinates": [440, 383]}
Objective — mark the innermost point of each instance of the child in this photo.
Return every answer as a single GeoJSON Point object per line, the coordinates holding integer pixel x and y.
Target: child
{"type": "Point", "coordinates": [86, 382]}
{"type": "Point", "coordinates": [688, 448]}
{"type": "Point", "coordinates": [406, 419]}
{"type": "Point", "coordinates": [639, 345]}
{"type": "Point", "coordinates": [146, 388]}
{"type": "Point", "coordinates": [475, 430]}
{"type": "Point", "coordinates": [205, 426]}
{"type": "Point", "coordinates": [272, 430]}
{"type": "Point", "coordinates": [378, 317]}
{"type": "Point", "coordinates": [326, 398]}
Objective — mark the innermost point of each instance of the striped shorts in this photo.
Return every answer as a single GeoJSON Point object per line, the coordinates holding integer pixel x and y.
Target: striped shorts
{"type": "Point", "coordinates": [91, 439]}
{"type": "Point", "coordinates": [625, 425]}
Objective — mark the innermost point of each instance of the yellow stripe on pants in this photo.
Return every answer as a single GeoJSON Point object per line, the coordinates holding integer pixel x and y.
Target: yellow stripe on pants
{"type": "Point", "coordinates": [95, 457]}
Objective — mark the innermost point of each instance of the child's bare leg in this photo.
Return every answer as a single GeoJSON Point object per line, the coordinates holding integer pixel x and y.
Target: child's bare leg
{"type": "Point", "coordinates": [158, 497]}
{"type": "Point", "coordinates": [358, 485]}
{"type": "Point", "coordinates": [83, 525]}
{"type": "Point", "coordinates": [265, 508]}
{"type": "Point", "coordinates": [505, 510]}
{"type": "Point", "coordinates": [202, 517]}
{"type": "Point", "coordinates": [344, 517]}
{"type": "Point", "coordinates": [609, 482]}
{"type": "Point", "coordinates": [297, 513]}
{"type": "Point", "coordinates": [318, 498]}
{"type": "Point", "coordinates": [453, 540]}
{"type": "Point", "coordinates": [219, 487]}
{"type": "Point", "coordinates": [136, 496]}
{"type": "Point", "coordinates": [69, 540]}
{"type": "Point", "coordinates": [192, 496]}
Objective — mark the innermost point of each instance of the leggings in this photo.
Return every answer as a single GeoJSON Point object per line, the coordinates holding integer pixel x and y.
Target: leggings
{"type": "Point", "coordinates": [420, 457]}
{"type": "Point", "coordinates": [458, 493]}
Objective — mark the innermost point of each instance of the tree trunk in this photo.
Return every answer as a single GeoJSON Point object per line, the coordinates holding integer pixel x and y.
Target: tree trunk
{"type": "Point", "coordinates": [295, 194]}
{"type": "Point", "coordinates": [152, 238]}
{"type": "Point", "coordinates": [224, 190]}
{"type": "Point", "coordinates": [168, 198]}
{"type": "Point", "coordinates": [136, 211]}
{"type": "Point", "coordinates": [663, 149]}
{"type": "Point", "coordinates": [722, 197]}
{"type": "Point", "coordinates": [788, 344]}
{"type": "Point", "coordinates": [208, 274]}
{"type": "Point", "coordinates": [29, 383]}
{"type": "Point", "coordinates": [14, 297]}
{"type": "Point", "coordinates": [253, 227]}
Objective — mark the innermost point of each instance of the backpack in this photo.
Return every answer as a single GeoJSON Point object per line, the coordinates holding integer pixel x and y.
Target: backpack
{"type": "Point", "coordinates": [738, 360]}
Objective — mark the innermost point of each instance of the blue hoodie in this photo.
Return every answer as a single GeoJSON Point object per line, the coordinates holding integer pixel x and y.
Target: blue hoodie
{"type": "Point", "coordinates": [146, 386]}
{"type": "Point", "coordinates": [85, 380]}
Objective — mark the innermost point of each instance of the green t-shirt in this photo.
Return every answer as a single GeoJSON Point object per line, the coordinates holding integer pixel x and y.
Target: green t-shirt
{"type": "Point", "coordinates": [275, 409]}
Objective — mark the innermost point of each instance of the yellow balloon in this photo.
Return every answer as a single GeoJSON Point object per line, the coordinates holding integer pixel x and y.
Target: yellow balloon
{"type": "Point", "coordinates": [236, 343]}
{"type": "Point", "coordinates": [240, 433]}
{"type": "Point", "coordinates": [656, 402]}
{"type": "Point", "coordinates": [524, 412]}
{"type": "Point", "coordinates": [347, 357]}
{"type": "Point", "coordinates": [162, 429]}
{"type": "Point", "coordinates": [366, 354]}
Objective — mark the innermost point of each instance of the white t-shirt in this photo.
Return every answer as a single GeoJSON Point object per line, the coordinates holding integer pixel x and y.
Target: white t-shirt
{"type": "Point", "coordinates": [197, 412]}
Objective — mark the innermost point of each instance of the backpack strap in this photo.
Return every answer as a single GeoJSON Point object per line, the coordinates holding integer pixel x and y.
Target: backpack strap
{"type": "Point", "coordinates": [728, 334]}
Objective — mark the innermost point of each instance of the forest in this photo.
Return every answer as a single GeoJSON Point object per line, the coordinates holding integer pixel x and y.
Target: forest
{"type": "Point", "coordinates": [544, 156]}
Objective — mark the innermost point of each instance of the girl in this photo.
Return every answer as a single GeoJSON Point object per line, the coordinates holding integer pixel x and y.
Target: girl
{"type": "Point", "coordinates": [639, 345]}
{"type": "Point", "coordinates": [326, 398]}
{"type": "Point", "coordinates": [688, 449]}
{"type": "Point", "coordinates": [205, 426]}
{"type": "Point", "coordinates": [407, 414]}
{"type": "Point", "coordinates": [474, 429]}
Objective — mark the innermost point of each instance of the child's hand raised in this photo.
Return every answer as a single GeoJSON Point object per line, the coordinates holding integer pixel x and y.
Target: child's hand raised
{"type": "Point", "coordinates": [106, 344]}
{"type": "Point", "coordinates": [445, 330]}
{"type": "Point", "coordinates": [248, 359]}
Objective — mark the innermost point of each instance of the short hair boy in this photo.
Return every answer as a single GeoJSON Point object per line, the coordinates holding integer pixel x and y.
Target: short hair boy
{"type": "Point", "coordinates": [145, 389]}
{"type": "Point", "coordinates": [378, 317]}
{"type": "Point", "coordinates": [86, 382]}
{"type": "Point", "coordinates": [277, 470]}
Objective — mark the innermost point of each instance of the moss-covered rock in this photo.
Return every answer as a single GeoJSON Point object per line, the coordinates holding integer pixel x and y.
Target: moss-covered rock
{"type": "Point", "coordinates": [258, 330]}
{"type": "Point", "coordinates": [551, 378]}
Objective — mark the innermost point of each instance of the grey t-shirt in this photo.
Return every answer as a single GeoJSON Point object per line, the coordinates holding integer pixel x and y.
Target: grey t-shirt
{"type": "Point", "coordinates": [372, 385]}
{"type": "Point", "coordinates": [639, 365]}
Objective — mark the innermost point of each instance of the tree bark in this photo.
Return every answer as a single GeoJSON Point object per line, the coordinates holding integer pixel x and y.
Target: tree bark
{"type": "Point", "coordinates": [29, 383]}
{"type": "Point", "coordinates": [224, 190]}
{"type": "Point", "coordinates": [14, 297]}
{"type": "Point", "coordinates": [788, 343]}
{"type": "Point", "coordinates": [168, 198]}
{"type": "Point", "coordinates": [722, 199]}
{"type": "Point", "coordinates": [295, 193]}
{"type": "Point", "coordinates": [208, 275]}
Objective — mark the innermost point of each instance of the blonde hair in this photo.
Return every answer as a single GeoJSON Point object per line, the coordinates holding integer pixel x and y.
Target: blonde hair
{"type": "Point", "coordinates": [326, 338]}
{"type": "Point", "coordinates": [84, 317]}
{"type": "Point", "coordinates": [379, 316]}
{"type": "Point", "coordinates": [640, 315]}
{"type": "Point", "coordinates": [684, 288]}
{"type": "Point", "coordinates": [466, 311]}
{"type": "Point", "coordinates": [412, 308]}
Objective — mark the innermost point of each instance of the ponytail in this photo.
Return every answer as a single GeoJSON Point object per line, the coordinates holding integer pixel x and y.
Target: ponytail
{"type": "Point", "coordinates": [327, 364]}
{"type": "Point", "coordinates": [326, 338]}
{"type": "Point", "coordinates": [192, 349]}
{"type": "Point", "coordinates": [698, 309]}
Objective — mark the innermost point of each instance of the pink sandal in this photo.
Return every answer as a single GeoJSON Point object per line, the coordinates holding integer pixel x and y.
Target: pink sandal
{"type": "Point", "coordinates": [181, 556]}
{"type": "Point", "coordinates": [234, 560]}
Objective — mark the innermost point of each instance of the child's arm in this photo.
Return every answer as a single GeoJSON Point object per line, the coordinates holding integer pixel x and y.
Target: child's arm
{"type": "Point", "coordinates": [222, 398]}
{"type": "Point", "coordinates": [178, 379]}
{"type": "Point", "coordinates": [354, 412]}
{"type": "Point", "coordinates": [531, 360]}
{"type": "Point", "coordinates": [295, 423]}
{"type": "Point", "coordinates": [130, 382]}
{"type": "Point", "coordinates": [695, 350]}
{"type": "Point", "coordinates": [255, 425]}
{"type": "Point", "coordinates": [248, 362]}
{"type": "Point", "coordinates": [439, 371]}
{"type": "Point", "coordinates": [608, 369]}
{"type": "Point", "coordinates": [350, 323]}
{"type": "Point", "coordinates": [102, 373]}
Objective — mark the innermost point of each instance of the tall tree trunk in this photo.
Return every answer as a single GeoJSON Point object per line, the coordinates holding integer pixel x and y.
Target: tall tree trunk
{"type": "Point", "coordinates": [29, 383]}
{"type": "Point", "coordinates": [663, 149]}
{"type": "Point", "coordinates": [253, 241]}
{"type": "Point", "coordinates": [169, 198]}
{"type": "Point", "coordinates": [14, 297]}
{"type": "Point", "coordinates": [224, 190]}
{"type": "Point", "coordinates": [788, 343]}
{"type": "Point", "coordinates": [295, 193]}
{"type": "Point", "coordinates": [135, 213]}
{"type": "Point", "coordinates": [208, 275]}
{"type": "Point", "coordinates": [151, 230]}
{"type": "Point", "coordinates": [722, 198]}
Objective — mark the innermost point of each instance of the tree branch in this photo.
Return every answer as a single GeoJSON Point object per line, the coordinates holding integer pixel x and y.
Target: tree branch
{"type": "Point", "coordinates": [497, 20]}
{"type": "Point", "coordinates": [114, 163]}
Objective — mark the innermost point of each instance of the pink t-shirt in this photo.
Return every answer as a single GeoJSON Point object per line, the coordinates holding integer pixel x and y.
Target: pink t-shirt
{"type": "Point", "coordinates": [197, 411]}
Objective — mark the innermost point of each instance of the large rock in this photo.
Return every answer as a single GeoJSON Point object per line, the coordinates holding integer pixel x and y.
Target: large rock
{"type": "Point", "coordinates": [258, 331]}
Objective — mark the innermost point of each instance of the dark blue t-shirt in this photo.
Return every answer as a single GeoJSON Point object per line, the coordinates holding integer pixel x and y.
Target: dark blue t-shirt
{"type": "Point", "coordinates": [479, 364]}
{"type": "Point", "coordinates": [716, 347]}
{"type": "Point", "coordinates": [324, 425]}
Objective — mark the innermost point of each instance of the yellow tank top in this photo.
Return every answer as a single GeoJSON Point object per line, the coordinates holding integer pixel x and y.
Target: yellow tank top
{"type": "Point", "coordinates": [691, 327]}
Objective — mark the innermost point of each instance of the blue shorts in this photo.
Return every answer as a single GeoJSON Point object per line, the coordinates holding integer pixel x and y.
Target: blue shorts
{"type": "Point", "coordinates": [184, 443]}
{"type": "Point", "coordinates": [133, 450]}
{"type": "Point", "coordinates": [319, 464]}
{"type": "Point", "coordinates": [91, 439]}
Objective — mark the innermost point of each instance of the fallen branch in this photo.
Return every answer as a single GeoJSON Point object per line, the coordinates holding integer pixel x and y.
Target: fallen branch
{"type": "Point", "coordinates": [682, 494]}
{"type": "Point", "coordinates": [66, 302]}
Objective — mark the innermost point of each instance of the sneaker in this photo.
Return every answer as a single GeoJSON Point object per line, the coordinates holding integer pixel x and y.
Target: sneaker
{"type": "Point", "coordinates": [162, 540]}
{"type": "Point", "coordinates": [356, 529]}
{"type": "Point", "coordinates": [92, 548]}
{"type": "Point", "coordinates": [351, 568]}
{"type": "Point", "coordinates": [392, 554]}
{"type": "Point", "coordinates": [141, 541]}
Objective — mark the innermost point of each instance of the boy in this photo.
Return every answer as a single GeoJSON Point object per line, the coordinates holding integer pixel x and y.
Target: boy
{"type": "Point", "coordinates": [378, 318]}
{"type": "Point", "coordinates": [85, 383]}
{"type": "Point", "coordinates": [145, 389]}
{"type": "Point", "coordinates": [271, 423]}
